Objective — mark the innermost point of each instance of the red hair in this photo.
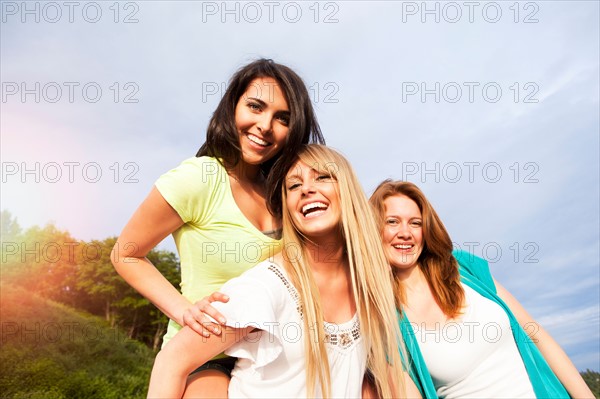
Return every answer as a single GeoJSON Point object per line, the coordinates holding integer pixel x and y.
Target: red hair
{"type": "Point", "coordinates": [436, 260]}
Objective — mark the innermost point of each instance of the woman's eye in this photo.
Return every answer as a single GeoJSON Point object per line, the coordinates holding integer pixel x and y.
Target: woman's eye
{"type": "Point", "coordinates": [391, 221]}
{"type": "Point", "coordinates": [254, 106]}
{"type": "Point", "coordinates": [293, 186]}
{"type": "Point", "coordinates": [417, 223]}
{"type": "Point", "coordinates": [325, 178]}
{"type": "Point", "coordinates": [285, 120]}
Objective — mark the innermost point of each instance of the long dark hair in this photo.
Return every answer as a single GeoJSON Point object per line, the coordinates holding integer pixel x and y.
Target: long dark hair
{"type": "Point", "coordinates": [222, 139]}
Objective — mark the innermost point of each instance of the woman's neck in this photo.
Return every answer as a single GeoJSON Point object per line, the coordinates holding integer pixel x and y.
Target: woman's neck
{"type": "Point", "coordinates": [413, 279]}
{"type": "Point", "coordinates": [327, 258]}
{"type": "Point", "coordinates": [329, 265]}
{"type": "Point", "coordinates": [246, 173]}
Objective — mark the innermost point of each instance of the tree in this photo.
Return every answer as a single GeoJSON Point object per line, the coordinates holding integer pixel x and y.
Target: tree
{"type": "Point", "coordinates": [105, 293]}
{"type": "Point", "coordinates": [97, 280]}
{"type": "Point", "coordinates": [42, 260]}
{"type": "Point", "coordinates": [9, 239]}
{"type": "Point", "coordinates": [80, 274]}
{"type": "Point", "coordinates": [10, 227]}
{"type": "Point", "coordinates": [592, 379]}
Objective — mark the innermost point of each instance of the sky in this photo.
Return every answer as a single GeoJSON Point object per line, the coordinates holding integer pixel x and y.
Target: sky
{"type": "Point", "coordinates": [490, 107]}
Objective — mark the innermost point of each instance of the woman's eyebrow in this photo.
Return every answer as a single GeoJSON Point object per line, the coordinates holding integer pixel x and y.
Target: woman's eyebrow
{"type": "Point", "coordinates": [295, 176]}
{"type": "Point", "coordinates": [258, 100]}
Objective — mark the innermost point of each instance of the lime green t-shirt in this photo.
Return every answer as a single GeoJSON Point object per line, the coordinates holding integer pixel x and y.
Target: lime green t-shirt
{"type": "Point", "coordinates": [216, 242]}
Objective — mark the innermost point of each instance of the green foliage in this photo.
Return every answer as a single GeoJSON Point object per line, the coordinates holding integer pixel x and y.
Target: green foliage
{"type": "Point", "coordinates": [43, 260]}
{"type": "Point", "coordinates": [51, 351]}
{"type": "Point", "coordinates": [9, 226]}
{"type": "Point", "coordinates": [80, 274]}
{"type": "Point", "coordinates": [592, 379]}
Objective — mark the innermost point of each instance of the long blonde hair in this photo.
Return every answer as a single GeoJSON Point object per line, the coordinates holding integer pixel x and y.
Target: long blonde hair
{"type": "Point", "coordinates": [370, 274]}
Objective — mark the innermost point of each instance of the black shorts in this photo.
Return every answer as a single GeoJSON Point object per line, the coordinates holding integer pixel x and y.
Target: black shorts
{"type": "Point", "coordinates": [224, 365]}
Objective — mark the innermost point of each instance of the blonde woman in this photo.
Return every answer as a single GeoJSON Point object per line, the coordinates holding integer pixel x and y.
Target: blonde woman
{"type": "Point", "coordinates": [309, 322]}
{"type": "Point", "coordinates": [462, 329]}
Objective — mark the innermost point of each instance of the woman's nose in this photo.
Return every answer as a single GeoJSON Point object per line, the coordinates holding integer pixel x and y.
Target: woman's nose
{"type": "Point", "coordinates": [403, 231]}
{"type": "Point", "coordinates": [308, 186]}
{"type": "Point", "coordinates": [264, 123]}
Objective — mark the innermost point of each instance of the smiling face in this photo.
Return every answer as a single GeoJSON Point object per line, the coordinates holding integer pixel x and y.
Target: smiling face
{"type": "Point", "coordinates": [262, 116]}
{"type": "Point", "coordinates": [402, 231]}
{"type": "Point", "coordinates": [312, 200]}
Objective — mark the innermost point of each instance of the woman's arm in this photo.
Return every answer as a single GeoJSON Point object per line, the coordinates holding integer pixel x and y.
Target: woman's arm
{"type": "Point", "coordinates": [150, 224]}
{"type": "Point", "coordinates": [185, 352]}
{"type": "Point", "coordinates": [557, 359]}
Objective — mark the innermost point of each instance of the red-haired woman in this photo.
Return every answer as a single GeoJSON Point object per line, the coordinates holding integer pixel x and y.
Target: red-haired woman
{"type": "Point", "coordinates": [465, 333]}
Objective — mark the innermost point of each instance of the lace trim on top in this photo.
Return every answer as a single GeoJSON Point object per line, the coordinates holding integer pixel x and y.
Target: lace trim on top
{"type": "Point", "coordinates": [291, 289]}
{"type": "Point", "coordinates": [342, 335]}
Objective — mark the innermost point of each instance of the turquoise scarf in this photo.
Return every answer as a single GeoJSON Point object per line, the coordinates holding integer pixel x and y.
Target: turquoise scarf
{"type": "Point", "coordinates": [475, 273]}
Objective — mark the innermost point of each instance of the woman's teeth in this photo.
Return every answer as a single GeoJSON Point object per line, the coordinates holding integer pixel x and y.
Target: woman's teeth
{"type": "Point", "coordinates": [258, 140]}
{"type": "Point", "coordinates": [313, 208]}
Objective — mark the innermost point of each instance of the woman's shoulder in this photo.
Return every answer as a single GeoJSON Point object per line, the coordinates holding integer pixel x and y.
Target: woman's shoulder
{"type": "Point", "coordinates": [467, 258]}
{"type": "Point", "coordinates": [271, 276]}
{"type": "Point", "coordinates": [191, 186]}
{"type": "Point", "coordinates": [206, 164]}
{"type": "Point", "coordinates": [268, 271]}
{"type": "Point", "coordinates": [204, 167]}
{"type": "Point", "coordinates": [265, 283]}
{"type": "Point", "coordinates": [472, 265]}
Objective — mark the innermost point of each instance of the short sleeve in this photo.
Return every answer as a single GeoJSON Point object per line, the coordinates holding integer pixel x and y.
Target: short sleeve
{"type": "Point", "coordinates": [188, 188]}
{"type": "Point", "coordinates": [476, 266]}
{"type": "Point", "coordinates": [256, 298]}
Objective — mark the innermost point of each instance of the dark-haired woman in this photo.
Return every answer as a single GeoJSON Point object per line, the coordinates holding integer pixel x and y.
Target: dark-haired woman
{"type": "Point", "coordinates": [223, 206]}
{"type": "Point", "coordinates": [466, 335]}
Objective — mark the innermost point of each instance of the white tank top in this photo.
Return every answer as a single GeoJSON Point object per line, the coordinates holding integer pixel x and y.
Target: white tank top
{"type": "Point", "coordinates": [475, 355]}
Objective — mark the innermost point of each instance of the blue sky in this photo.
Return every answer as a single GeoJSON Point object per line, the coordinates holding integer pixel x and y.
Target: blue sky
{"type": "Point", "coordinates": [490, 107]}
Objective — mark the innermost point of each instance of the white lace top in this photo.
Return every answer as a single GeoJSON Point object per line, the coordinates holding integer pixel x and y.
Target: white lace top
{"type": "Point", "coordinates": [271, 361]}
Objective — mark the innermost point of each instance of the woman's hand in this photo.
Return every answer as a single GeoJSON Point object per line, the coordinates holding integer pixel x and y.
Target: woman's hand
{"type": "Point", "coordinates": [201, 316]}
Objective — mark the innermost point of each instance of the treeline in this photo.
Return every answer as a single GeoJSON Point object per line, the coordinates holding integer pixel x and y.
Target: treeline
{"type": "Point", "coordinates": [57, 266]}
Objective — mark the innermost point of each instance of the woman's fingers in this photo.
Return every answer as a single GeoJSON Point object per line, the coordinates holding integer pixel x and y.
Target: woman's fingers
{"type": "Point", "coordinates": [195, 322]}
{"type": "Point", "coordinates": [202, 315]}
